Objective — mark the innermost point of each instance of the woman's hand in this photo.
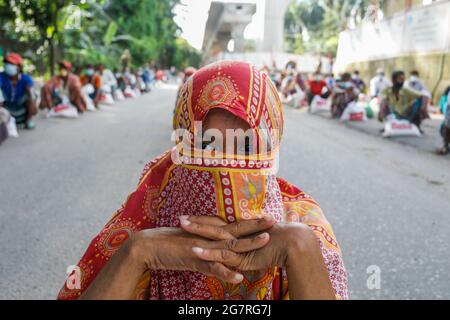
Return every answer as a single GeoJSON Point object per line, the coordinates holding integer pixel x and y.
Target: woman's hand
{"type": "Point", "coordinates": [284, 240]}
{"type": "Point", "coordinates": [292, 246]}
{"type": "Point", "coordinates": [180, 249]}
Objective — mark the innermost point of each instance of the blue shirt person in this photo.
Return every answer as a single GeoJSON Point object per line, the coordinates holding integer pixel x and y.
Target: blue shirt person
{"type": "Point", "coordinates": [16, 89]}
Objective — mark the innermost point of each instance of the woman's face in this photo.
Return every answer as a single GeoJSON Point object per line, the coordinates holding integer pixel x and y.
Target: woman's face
{"type": "Point", "coordinates": [218, 120]}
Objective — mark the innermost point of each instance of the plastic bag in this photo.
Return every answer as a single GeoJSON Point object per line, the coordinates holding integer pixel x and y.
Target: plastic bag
{"type": "Point", "coordinates": [12, 128]}
{"type": "Point", "coordinates": [320, 104]}
{"type": "Point", "coordinates": [129, 93]}
{"type": "Point", "coordinates": [63, 111]}
{"type": "Point", "coordinates": [118, 95]}
{"type": "Point", "coordinates": [85, 92]}
{"type": "Point", "coordinates": [107, 98]}
{"type": "Point", "coordinates": [355, 111]}
{"type": "Point", "coordinates": [400, 128]}
{"type": "Point", "coordinates": [88, 89]}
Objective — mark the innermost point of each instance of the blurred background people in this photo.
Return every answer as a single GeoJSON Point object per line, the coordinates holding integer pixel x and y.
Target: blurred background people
{"type": "Point", "coordinates": [64, 85]}
{"type": "Point", "coordinates": [317, 86]}
{"type": "Point", "coordinates": [414, 83]}
{"type": "Point", "coordinates": [17, 91]}
{"type": "Point", "coordinates": [92, 77]}
{"type": "Point", "coordinates": [445, 128]}
{"type": "Point", "coordinates": [358, 82]}
{"type": "Point", "coordinates": [403, 102]}
{"type": "Point", "coordinates": [108, 80]}
{"type": "Point", "coordinates": [378, 84]}
{"type": "Point", "coordinates": [344, 92]}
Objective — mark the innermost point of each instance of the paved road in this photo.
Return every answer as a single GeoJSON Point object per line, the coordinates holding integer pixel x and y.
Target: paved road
{"type": "Point", "coordinates": [389, 203]}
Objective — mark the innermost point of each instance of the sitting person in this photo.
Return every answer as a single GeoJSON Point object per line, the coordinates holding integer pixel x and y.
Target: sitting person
{"type": "Point", "coordinates": [402, 102]}
{"type": "Point", "coordinates": [414, 82]}
{"type": "Point", "coordinates": [108, 80]}
{"type": "Point", "coordinates": [358, 82]}
{"type": "Point", "coordinates": [91, 77]}
{"type": "Point", "coordinates": [173, 239]}
{"type": "Point", "coordinates": [445, 128]}
{"type": "Point", "coordinates": [378, 84]}
{"type": "Point", "coordinates": [65, 85]}
{"type": "Point", "coordinates": [344, 92]}
{"type": "Point", "coordinates": [317, 86]}
{"type": "Point", "coordinates": [17, 91]}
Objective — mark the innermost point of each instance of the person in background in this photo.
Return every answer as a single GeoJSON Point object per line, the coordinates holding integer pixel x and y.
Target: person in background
{"type": "Point", "coordinates": [445, 128]}
{"type": "Point", "coordinates": [415, 83]}
{"type": "Point", "coordinates": [358, 82]}
{"type": "Point", "coordinates": [17, 91]}
{"type": "Point", "coordinates": [317, 86]}
{"type": "Point", "coordinates": [108, 80]}
{"type": "Point", "coordinates": [330, 80]}
{"type": "Point", "coordinates": [121, 81]}
{"type": "Point", "coordinates": [64, 84]}
{"type": "Point", "coordinates": [378, 84]}
{"type": "Point", "coordinates": [148, 78]}
{"type": "Point", "coordinates": [402, 102]}
{"type": "Point", "coordinates": [91, 76]}
{"type": "Point", "coordinates": [344, 92]}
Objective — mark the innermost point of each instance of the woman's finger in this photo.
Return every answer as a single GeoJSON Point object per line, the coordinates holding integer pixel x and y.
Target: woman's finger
{"type": "Point", "coordinates": [240, 245]}
{"type": "Point", "coordinates": [249, 227]}
{"type": "Point", "coordinates": [218, 270]}
{"type": "Point", "coordinates": [222, 256]}
{"type": "Point", "coordinates": [214, 221]}
{"type": "Point", "coordinates": [203, 230]}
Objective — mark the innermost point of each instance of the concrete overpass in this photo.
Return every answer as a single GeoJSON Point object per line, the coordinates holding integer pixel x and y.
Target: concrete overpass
{"type": "Point", "coordinates": [227, 21]}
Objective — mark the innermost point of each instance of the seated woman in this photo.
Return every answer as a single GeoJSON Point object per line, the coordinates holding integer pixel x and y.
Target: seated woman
{"type": "Point", "coordinates": [210, 219]}
{"type": "Point", "coordinates": [64, 85]}
{"type": "Point", "coordinates": [402, 102]}
{"type": "Point", "coordinates": [344, 92]}
{"type": "Point", "coordinates": [17, 90]}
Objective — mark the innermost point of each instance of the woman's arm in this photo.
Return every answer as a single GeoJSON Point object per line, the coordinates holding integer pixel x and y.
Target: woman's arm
{"type": "Point", "coordinates": [171, 249]}
{"type": "Point", "coordinates": [307, 275]}
{"type": "Point", "coordinates": [119, 278]}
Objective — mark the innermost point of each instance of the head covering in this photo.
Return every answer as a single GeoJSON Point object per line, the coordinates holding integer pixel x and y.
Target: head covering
{"type": "Point", "coordinates": [14, 58]}
{"type": "Point", "coordinates": [66, 64]}
{"type": "Point", "coordinates": [189, 71]}
{"type": "Point", "coordinates": [185, 181]}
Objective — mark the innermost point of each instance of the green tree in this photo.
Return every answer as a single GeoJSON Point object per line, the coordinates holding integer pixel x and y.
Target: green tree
{"type": "Point", "coordinates": [314, 25]}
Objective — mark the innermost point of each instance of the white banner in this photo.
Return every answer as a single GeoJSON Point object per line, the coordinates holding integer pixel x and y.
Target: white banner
{"type": "Point", "coordinates": [421, 30]}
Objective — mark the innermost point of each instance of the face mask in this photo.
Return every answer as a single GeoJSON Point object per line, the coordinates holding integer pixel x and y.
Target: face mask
{"type": "Point", "coordinates": [413, 79]}
{"type": "Point", "coordinates": [63, 73]}
{"type": "Point", "coordinates": [355, 77]}
{"type": "Point", "coordinates": [11, 69]}
{"type": "Point", "coordinates": [318, 78]}
{"type": "Point", "coordinates": [398, 85]}
{"type": "Point", "coordinates": [89, 72]}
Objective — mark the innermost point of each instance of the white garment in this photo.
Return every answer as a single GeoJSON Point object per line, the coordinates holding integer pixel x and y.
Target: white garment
{"type": "Point", "coordinates": [108, 78]}
{"type": "Point", "coordinates": [378, 85]}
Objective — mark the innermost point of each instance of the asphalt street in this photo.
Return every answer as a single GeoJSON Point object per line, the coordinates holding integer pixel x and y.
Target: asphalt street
{"type": "Point", "coordinates": [389, 202]}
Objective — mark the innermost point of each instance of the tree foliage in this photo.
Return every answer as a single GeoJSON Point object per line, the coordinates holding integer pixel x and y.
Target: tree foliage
{"type": "Point", "coordinates": [314, 25]}
{"type": "Point", "coordinates": [43, 31]}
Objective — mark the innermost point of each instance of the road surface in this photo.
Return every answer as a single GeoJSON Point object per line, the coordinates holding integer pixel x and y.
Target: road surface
{"type": "Point", "coordinates": [389, 203]}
